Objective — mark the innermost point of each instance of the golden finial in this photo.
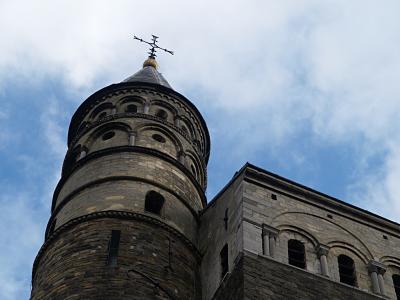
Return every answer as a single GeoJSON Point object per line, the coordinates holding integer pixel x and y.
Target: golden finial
{"type": "Point", "coordinates": [150, 62]}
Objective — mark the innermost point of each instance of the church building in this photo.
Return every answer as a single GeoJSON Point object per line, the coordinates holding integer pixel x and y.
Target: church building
{"type": "Point", "coordinates": [130, 219]}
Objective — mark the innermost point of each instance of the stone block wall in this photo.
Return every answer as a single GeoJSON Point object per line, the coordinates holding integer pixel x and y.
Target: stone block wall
{"type": "Point", "coordinates": [296, 212]}
{"type": "Point", "coordinates": [120, 181]}
{"type": "Point", "coordinates": [213, 235]}
{"type": "Point", "coordinates": [152, 261]}
{"type": "Point", "coordinates": [265, 278]}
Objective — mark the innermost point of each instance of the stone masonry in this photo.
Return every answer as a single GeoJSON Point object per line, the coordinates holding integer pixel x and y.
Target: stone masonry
{"type": "Point", "coordinates": [130, 219]}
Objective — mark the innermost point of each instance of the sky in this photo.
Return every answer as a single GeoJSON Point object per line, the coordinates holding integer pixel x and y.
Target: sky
{"type": "Point", "coordinates": [305, 89]}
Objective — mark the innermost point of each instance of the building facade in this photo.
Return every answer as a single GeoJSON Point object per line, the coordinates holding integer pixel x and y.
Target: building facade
{"type": "Point", "coordinates": [130, 219]}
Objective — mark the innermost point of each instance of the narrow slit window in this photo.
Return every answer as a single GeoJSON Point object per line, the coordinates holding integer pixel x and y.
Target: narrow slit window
{"type": "Point", "coordinates": [113, 247]}
{"type": "Point", "coordinates": [396, 284]}
{"type": "Point", "coordinates": [224, 261]}
{"type": "Point", "coordinates": [347, 270]}
{"type": "Point", "coordinates": [296, 253]}
{"type": "Point", "coordinates": [154, 202]}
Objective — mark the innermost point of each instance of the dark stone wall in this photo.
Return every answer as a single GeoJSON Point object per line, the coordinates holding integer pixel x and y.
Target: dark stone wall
{"type": "Point", "coordinates": [73, 266]}
{"type": "Point", "coordinates": [267, 279]}
{"type": "Point", "coordinates": [232, 288]}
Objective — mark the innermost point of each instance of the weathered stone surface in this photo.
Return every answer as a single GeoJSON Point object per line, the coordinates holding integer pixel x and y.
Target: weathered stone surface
{"type": "Point", "coordinates": [74, 266]}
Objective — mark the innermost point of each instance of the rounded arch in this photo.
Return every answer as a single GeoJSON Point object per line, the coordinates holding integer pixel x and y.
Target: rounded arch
{"type": "Point", "coordinates": [349, 247]}
{"type": "Point", "coordinates": [308, 236]}
{"type": "Point", "coordinates": [106, 127]}
{"type": "Point", "coordinates": [189, 125]}
{"type": "Point", "coordinates": [129, 99]}
{"type": "Point", "coordinates": [165, 105]}
{"type": "Point", "coordinates": [166, 131]}
{"type": "Point", "coordinates": [100, 108]}
{"type": "Point", "coordinates": [366, 252]}
{"type": "Point", "coordinates": [390, 261]}
{"type": "Point", "coordinates": [124, 104]}
{"type": "Point", "coordinates": [197, 164]}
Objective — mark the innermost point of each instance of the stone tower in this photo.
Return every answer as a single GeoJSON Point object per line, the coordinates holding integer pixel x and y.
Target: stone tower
{"type": "Point", "coordinates": [125, 213]}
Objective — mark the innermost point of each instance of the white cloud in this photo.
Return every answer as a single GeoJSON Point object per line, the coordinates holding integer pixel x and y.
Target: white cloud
{"type": "Point", "coordinates": [264, 72]}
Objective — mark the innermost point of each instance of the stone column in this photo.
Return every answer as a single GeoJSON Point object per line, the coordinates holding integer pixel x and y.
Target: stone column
{"type": "Point", "coordinates": [269, 235]}
{"type": "Point", "coordinates": [114, 111]}
{"type": "Point", "coordinates": [376, 271]}
{"type": "Point", "coordinates": [176, 121]}
{"type": "Point", "coordinates": [381, 282]}
{"type": "Point", "coordinates": [82, 154]}
{"type": "Point", "coordinates": [265, 239]}
{"type": "Point", "coordinates": [132, 138]}
{"type": "Point", "coordinates": [181, 158]}
{"type": "Point", "coordinates": [322, 252]}
{"type": "Point", "coordinates": [146, 108]}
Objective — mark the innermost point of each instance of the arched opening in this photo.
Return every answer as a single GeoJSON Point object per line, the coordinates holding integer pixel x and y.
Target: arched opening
{"type": "Point", "coordinates": [131, 108]}
{"type": "Point", "coordinates": [154, 202]}
{"type": "Point", "coordinates": [296, 253]}
{"type": "Point", "coordinates": [347, 270]}
{"type": "Point", "coordinates": [159, 138]}
{"type": "Point", "coordinates": [162, 114]}
{"type": "Point", "coordinates": [108, 135]}
{"type": "Point", "coordinates": [396, 285]}
{"type": "Point", "coordinates": [223, 255]}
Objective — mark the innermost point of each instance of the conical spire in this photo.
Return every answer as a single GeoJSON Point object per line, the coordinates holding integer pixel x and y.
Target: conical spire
{"type": "Point", "coordinates": [149, 74]}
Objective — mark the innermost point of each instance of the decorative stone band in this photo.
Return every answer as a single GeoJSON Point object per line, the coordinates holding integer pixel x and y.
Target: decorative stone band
{"type": "Point", "coordinates": [138, 115]}
{"type": "Point", "coordinates": [132, 88]}
{"type": "Point", "coordinates": [123, 215]}
{"type": "Point", "coordinates": [116, 178]}
{"type": "Point", "coordinates": [138, 149]}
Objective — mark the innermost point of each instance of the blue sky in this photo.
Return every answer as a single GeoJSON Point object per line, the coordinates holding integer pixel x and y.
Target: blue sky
{"type": "Point", "coordinates": [306, 89]}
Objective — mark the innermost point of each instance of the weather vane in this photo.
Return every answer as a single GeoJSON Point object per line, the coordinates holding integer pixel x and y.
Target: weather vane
{"type": "Point", "coordinates": [153, 45]}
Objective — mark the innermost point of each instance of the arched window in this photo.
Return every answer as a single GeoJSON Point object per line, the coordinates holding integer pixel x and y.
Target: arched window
{"type": "Point", "coordinates": [108, 135]}
{"type": "Point", "coordinates": [131, 108]}
{"type": "Point", "coordinates": [296, 254]}
{"type": "Point", "coordinates": [396, 284]}
{"type": "Point", "coordinates": [158, 138]}
{"type": "Point", "coordinates": [154, 202]}
{"type": "Point", "coordinates": [347, 270]}
{"type": "Point", "coordinates": [162, 114]}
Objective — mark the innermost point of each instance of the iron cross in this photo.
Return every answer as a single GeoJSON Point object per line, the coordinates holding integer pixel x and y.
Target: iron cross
{"type": "Point", "coordinates": [153, 45]}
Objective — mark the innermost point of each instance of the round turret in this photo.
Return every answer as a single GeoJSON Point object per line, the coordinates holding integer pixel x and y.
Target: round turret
{"type": "Point", "coordinates": [125, 211]}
